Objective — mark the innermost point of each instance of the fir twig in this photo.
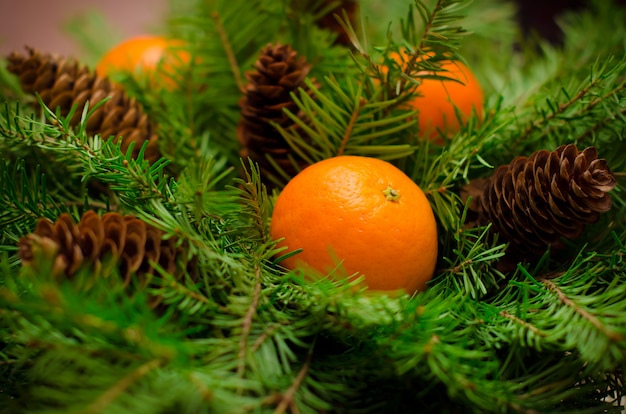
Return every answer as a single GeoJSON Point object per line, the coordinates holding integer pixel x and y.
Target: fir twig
{"type": "Point", "coordinates": [287, 398]}
{"type": "Point", "coordinates": [104, 400]}
{"type": "Point", "coordinates": [613, 336]}
{"type": "Point", "coordinates": [349, 128]}
{"type": "Point", "coordinates": [232, 59]}
{"type": "Point", "coordinates": [524, 324]}
{"type": "Point", "coordinates": [430, 32]}
{"type": "Point", "coordinates": [560, 109]}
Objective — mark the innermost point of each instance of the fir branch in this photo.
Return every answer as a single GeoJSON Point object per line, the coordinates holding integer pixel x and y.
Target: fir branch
{"type": "Point", "coordinates": [342, 120]}
{"type": "Point", "coordinates": [105, 399]}
{"type": "Point", "coordinates": [603, 123]}
{"type": "Point", "coordinates": [613, 336]}
{"type": "Point", "coordinates": [559, 110]}
{"type": "Point", "coordinates": [202, 185]}
{"type": "Point", "coordinates": [181, 295]}
{"type": "Point", "coordinates": [24, 200]}
{"type": "Point", "coordinates": [253, 195]}
{"type": "Point", "coordinates": [222, 48]}
{"type": "Point", "coordinates": [577, 309]}
{"type": "Point", "coordinates": [605, 82]}
{"type": "Point", "coordinates": [473, 264]}
{"type": "Point", "coordinates": [439, 173]}
{"type": "Point", "coordinates": [20, 131]}
{"type": "Point", "coordinates": [263, 337]}
{"type": "Point", "coordinates": [438, 37]}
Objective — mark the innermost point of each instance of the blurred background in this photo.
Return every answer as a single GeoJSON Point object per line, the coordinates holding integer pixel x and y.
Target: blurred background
{"type": "Point", "coordinates": [48, 25]}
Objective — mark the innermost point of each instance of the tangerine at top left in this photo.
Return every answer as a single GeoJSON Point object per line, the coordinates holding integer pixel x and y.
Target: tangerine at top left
{"type": "Point", "coordinates": [157, 58]}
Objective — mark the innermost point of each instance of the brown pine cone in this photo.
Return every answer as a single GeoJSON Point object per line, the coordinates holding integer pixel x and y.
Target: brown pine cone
{"type": "Point", "coordinates": [64, 83]}
{"type": "Point", "coordinates": [130, 243]}
{"type": "Point", "coordinates": [536, 201]}
{"type": "Point", "coordinates": [279, 71]}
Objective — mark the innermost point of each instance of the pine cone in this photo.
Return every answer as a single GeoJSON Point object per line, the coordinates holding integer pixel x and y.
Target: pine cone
{"type": "Point", "coordinates": [329, 21]}
{"type": "Point", "coordinates": [63, 83]}
{"type": "Point", "coordinates": [128, 241]}
{"type": "Point", "coordinates": [278, 72]}
{"type": "Point", "coordinates": [536, 201]}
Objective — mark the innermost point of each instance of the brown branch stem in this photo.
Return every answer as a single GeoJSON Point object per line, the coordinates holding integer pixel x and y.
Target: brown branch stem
{"type": "Point", "coordinates": [201, 387]}
{"type": "Point", "coordinates": [232, 60]}
{"type": "Point", "coordinates": [263, 337]}
{"type": "Point", "coordinates": [287, 400]}
{"type": "Point", "coordinates": [349, 128]}
{"type": "Point", "coordinates": [534, 329]}
{"type": "Point", "coordinates": [546, 388]}
{"type": "Point", "coordinates": [247, 321]}
{"type": "Point", "coordinates": [460, 266]}
{"type": "Point", "coordinates": [105, 399]}
{"type": "Point", "coordinates": [172, 282]}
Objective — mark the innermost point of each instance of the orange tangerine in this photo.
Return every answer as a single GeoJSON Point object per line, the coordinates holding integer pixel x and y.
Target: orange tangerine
{"type": "Point", "coordinates": [364, 212]}
{"type": "Point", "coordinates": [145, 55]}
{"type": "Point", "coordinates": [438, 100]}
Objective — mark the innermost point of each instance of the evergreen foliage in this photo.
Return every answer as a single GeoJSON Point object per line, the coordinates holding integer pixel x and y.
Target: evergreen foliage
{"type": "Point", "coordinates": [245, 335]}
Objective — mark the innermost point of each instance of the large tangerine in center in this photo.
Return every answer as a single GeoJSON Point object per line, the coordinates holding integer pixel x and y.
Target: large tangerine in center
{"type": "Point", "coordinates": [361, 212]}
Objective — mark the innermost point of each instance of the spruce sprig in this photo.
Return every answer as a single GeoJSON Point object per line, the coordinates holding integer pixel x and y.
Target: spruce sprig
{"type": "Point", "coordinates": [24, 199]}
{"type": "Point", "coordinates": [554, 309]}
{"type": "Point", "coordinates": [424, 43]}
{"type": "Point", "coordinates": [471, 264]}
{"type": "Point", "coordinates": [582, 112]}
{"type": "Point", "coordinates": [340, 119]}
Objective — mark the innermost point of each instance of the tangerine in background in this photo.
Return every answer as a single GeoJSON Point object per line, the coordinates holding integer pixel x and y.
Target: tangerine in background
{"type": "Point", "coordinates": [364, 212]}
{"type": "Point", "coordinates": [144, 56]}
{"type": "Point", "coordinates": [438, 98]}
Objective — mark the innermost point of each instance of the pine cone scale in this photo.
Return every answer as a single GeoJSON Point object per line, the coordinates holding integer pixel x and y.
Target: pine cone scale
{"type": "Point", "coordinates": [293, 79]}
{"type": "Point", "coordinates": [115, 230]}
{"type": "Point", "coordinates": [133, 251]}
{"type": "Point", "coordinates": [91, 243]}
{"type": "Point", "coordinates": [61, 84]}
{"type": "Point", "coordinates": [65, 232]}
{"type": "Point", "coordinates": [270, 92]}
{"type": "Point", "coordinates": [555, 188]}
{"type": "Point", "coordinates": [85, 82]}
{"type": "Point", "coordinates": [40, 80]}
{"type": "Point", "coordinates": [273, 69]}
